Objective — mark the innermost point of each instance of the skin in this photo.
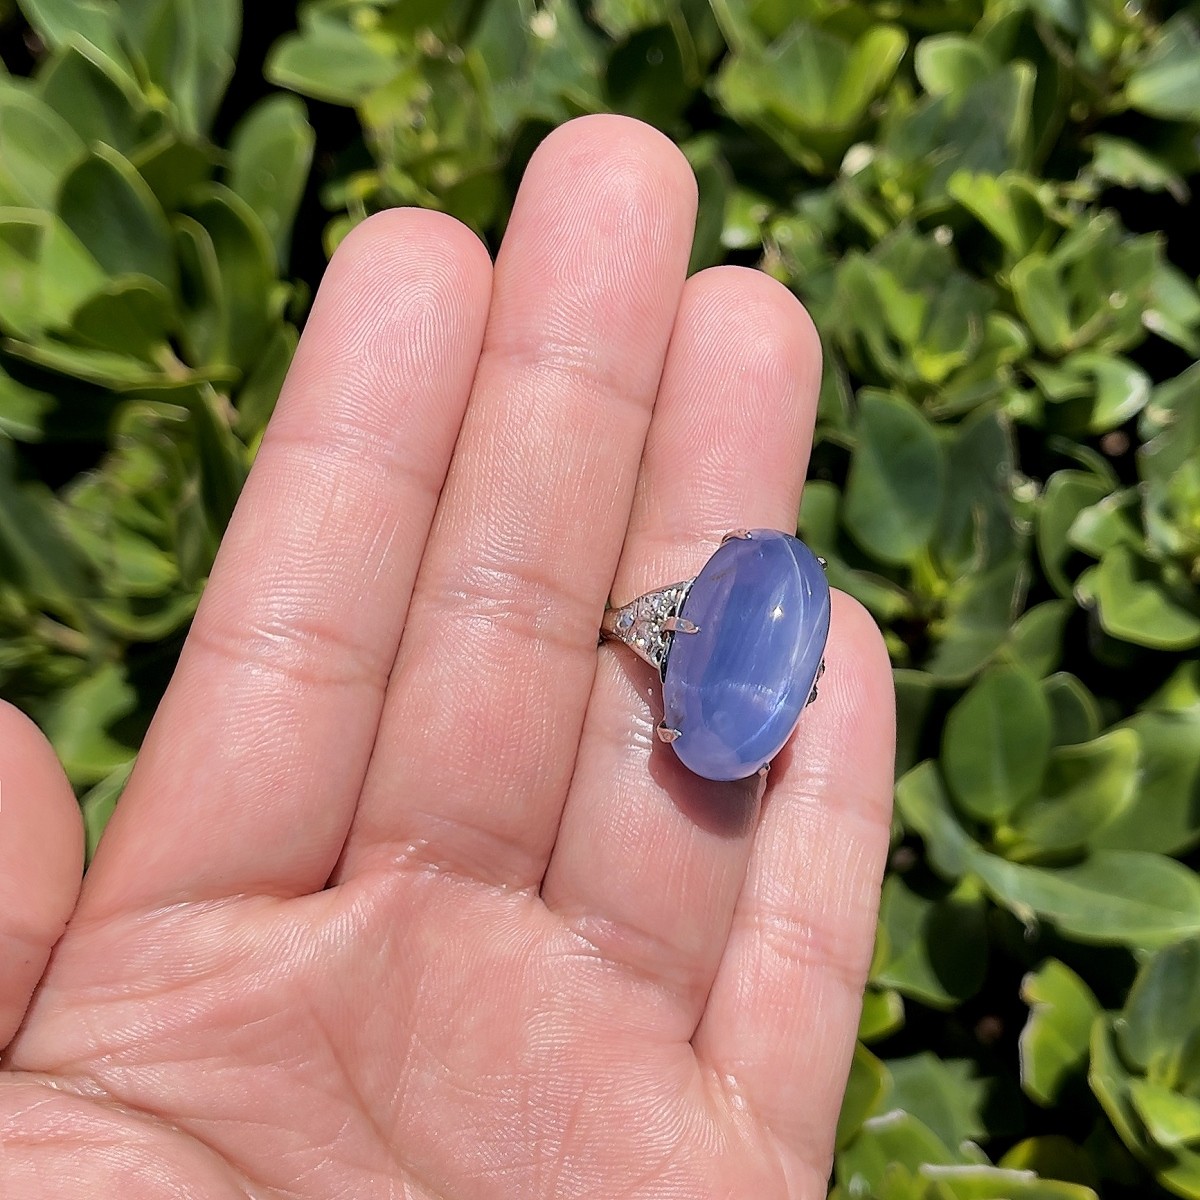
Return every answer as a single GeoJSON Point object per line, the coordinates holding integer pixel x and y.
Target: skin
{"type": "Point", "coordinates": [403, 898]}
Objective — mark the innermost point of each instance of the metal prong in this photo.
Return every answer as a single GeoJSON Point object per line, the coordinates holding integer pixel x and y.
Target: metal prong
{"type": "Point", "coordinates": [823, 561]}
{"type": "Point", "coordinates": [764, 770]}
{"type": "Point", "coordinates": [666, 733]}
{"type": "Point", "coordinates": [680, 625]}
{"type": "Point", "coordinates": [742, 534]}
{"type": "Point", "coordinates": [813, 694]}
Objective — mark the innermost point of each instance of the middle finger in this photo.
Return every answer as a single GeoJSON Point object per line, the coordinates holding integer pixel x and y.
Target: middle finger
{"type": "Point", "coordinates": [488, 694]}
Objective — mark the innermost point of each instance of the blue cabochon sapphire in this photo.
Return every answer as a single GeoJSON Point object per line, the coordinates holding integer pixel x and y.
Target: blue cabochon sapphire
{"type": "Point", "coordinates": [735, 690]}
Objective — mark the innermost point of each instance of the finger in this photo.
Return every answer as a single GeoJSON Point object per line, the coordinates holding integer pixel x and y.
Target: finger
{"type": "Point", "coordinates": [650, 858]}
{"type": "Point", "coordinates": [41, 861]}
{"type": "Point", "coordinates": [780, 1023]}
{"type": "Point", "coordinates": [249, 775]}
{"type": "Point", "coordinates": [479, 736]}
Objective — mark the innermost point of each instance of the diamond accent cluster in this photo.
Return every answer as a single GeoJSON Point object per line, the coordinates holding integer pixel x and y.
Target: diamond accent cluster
{"type": "Point", "coordinates": [642, 623]}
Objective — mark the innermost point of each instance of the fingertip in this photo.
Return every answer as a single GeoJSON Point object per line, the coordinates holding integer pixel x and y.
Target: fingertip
{"type": "Point", "coordinates": [750, 330]}
{"type": "Point", "coordinates": [636, 166]}
{"type": "Point", "coordinates": [41, 860]}
{"type": "Point", "coordinates": [42, 824]}
{"type": "Point", "coordinates": [397, 232]}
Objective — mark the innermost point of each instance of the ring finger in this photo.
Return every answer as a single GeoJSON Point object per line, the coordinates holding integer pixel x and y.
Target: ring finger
{"type": "Point", "coordinates": [650, 858]}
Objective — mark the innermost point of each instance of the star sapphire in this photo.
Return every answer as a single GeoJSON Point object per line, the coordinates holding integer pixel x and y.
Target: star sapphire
{"type": "Point", "coordinates": [735, 689]}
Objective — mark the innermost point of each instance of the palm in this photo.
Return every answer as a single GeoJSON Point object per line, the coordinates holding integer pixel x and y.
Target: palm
{"type": "Point", "coordinates": [402, 900]}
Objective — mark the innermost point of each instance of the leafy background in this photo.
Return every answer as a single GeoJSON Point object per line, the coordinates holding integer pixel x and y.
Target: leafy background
{"type": "Point", "coordinates": [986, 207]}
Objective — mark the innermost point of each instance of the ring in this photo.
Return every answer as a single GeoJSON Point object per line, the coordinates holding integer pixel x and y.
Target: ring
{"type": "Point", "coordinates": [739, 650]}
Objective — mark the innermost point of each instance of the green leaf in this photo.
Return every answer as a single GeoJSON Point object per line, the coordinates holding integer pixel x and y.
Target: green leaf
{"type": "Point", "coordinates": [865, 1087]}
{"type": "Point", "coordinates": [715, 181]}
{"type": "Point", "coordinates": [647, 77]}
{"type": "Point", "coordinates": [79, 719]}
{"type": "Point", "coordinates": [882, 1015]}
{"type": "Point", "coordinates": [186, 48]}
{"type": "Point", "coordinates": [949, 63]}
{"type": "Point", "coordinates": [332, 62]}
{"type": "Point", "coordinates": [1164, 814]}
{"type": "Point", "coordinates": [546, 67]}
{"type": "Point", "coordinates": [914, 695]}
{"type": "Point", "coordinates": [937, 948]}
{"type": "Point", "coordinates": [39, 148]}
{"type": "Point", "coordinates": [230, 265]}
{"type": "Point", "coordinates": [978, 615]}
{"type": "Point", "coordinates": [174, 169]}
{"type": "Point", "coordinates": [943, 1094]}
{"type": "Point", "coordinates": [1172, 1120]}
{"type": "Point", "coordinates": [1137, 605]}
{"type": "Point", "coordinates": [1110, 1080]}
{"type": "Point", "coordinates": [996, 743]}
{"type": "Point", "coordinates": [1120, 389]}
{"type": "Point", "coordinates": [257, 396]}
{"type": "Point", "coordinates": [1054, 1043]}
{"type": "Point", "coordinates": [221, 456]}
{"type": "Point", "coordinates": [35, 553]}
{"type": "Point", "coordinates": [1112, 521]}
{"type": "Point", "coordinates": [811, 88]}
{"type": "Point", "coordinates": [115, 216]}
{"type": "Point", "coordinates": [1170, 426]}
{"type": "Point", "coordinates": [1008, 206]}
{"type": "Point", "coordinates": [1036, 639]}
{"type": "Point", "coordinates": [886, 1144]}
{"type": "Point", "coordinates": [1043, 301]}
{"type": "Point", "coordinates": [132, 623]}
{"type": "Point", "coordinates": [1173, 309]}
{"type": "Point", "coordinates": [22, 409]}
{"type": "Point", "coordinates": [993, 1183]}
{"type": "Point", "coordinates": [132, 315]}
{"type": "Point", "coordinates": [908, 311]}
{"type": "Point", "coordinates": [61, 21]}
{"type": "Point", "coordinates": [1106, 388]}
{"type": "Point", "coordinates": [1067, 494]}
{"type": "Point", "coordinates": [1144, 1067]}
{"type": "Point", "coordinates": [1074, 713]}
{"type": "Point", "coordinates": [98, 101]}
{"type": "Point", "coordinates": [894, 491]}
{"type": "Point", "coordinates": [1167, 82]}
{"type": "Point", "coordinates": [270, 156]}
{"type": "Point", "coordinates": [1086, 787]}
{"type": "Point", "coordinates": [1128, 165]}
{"type": "Point", "coordinates": [104, 368]}
{"type": "Point", "coordinates": [45, 274]}
{"type": "Point", "coordinates": [1162, 1015]}
{"type": "Point", "coordinates": [976, 526]}
{"type": "Point", "coordinates": [99, 804]}
{"type": "Point", "coordinates": [1053, 1156]}
{"type": "Point", "coordinates": [1117, 897]}
{"type": "Point", "coordinates": [923, 805]}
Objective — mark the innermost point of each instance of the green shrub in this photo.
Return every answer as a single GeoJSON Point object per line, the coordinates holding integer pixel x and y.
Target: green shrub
{"type": "Point", "coordinates": [984, 206]}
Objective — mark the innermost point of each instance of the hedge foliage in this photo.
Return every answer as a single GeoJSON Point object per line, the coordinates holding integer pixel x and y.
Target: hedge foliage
{"type": "Point", "coordinates": [984, 205]}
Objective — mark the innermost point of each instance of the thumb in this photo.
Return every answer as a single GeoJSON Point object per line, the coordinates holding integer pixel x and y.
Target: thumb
{"type": "Point", "coordinates": [41, 861]}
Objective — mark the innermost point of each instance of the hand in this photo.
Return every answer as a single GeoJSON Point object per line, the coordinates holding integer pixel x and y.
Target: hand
{"type": "Point", "coordinates": [403, 898]}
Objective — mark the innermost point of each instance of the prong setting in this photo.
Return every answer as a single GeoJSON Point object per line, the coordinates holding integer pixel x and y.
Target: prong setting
{"type": "Point", "coordinates": [646, 625]}
{"type": "Point", "coordinates": [813, 694]}
{"type": "Point", "coordinates": [666, 733]}
{"type": "Point", "coordinates": [740, 534]}
{"type": "Point", "coordinates": [680, 625]}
